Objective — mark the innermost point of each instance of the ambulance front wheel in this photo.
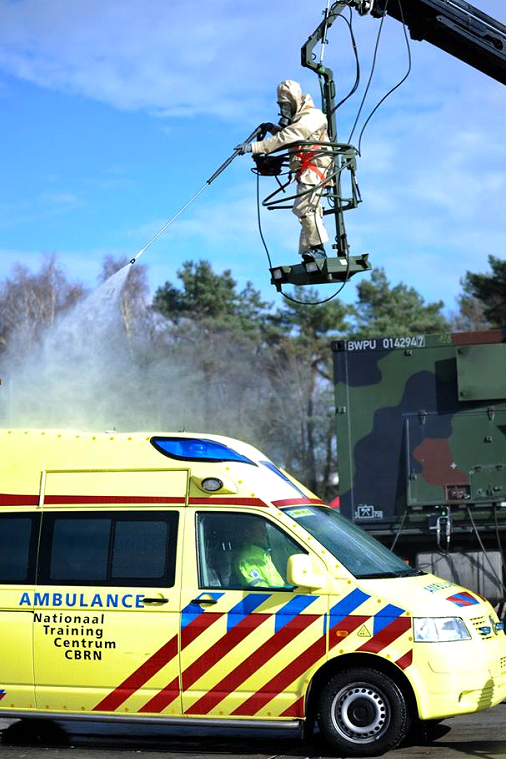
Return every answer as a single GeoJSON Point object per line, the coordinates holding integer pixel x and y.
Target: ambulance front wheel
{"type": "Point", "coordinates": [362, 712]}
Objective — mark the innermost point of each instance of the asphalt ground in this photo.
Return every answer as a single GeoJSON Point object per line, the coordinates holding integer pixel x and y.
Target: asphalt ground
{"type": "Point", "coordinates": [481, 735]}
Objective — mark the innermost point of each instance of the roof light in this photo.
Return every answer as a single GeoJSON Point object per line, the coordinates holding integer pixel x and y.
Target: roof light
{"type": "Point", "coordinates": [311, 267]}
{"type": "Point", "coordinates": [212, 484]}
{"type": "Point", "coordinates": [277, 273]}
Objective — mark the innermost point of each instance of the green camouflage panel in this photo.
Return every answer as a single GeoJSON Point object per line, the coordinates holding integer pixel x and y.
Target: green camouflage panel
{"type": "Point", "coordinates": [421, 424]}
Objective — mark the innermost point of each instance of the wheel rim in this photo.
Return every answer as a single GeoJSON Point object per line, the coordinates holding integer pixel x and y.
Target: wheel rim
{"type": "Point", "coordinates": [360, 712]}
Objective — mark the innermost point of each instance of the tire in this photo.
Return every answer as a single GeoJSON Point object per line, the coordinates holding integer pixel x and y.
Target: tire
{"type": "Point", "coordinates": [362, 712]}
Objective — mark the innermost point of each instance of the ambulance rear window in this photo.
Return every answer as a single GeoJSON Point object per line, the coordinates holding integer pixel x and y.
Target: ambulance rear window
{"type": "Point", "coordinates": [196, 449]}
{"type": "Point", "coordinates": [18, 534]}
{"type": "Point", "coordinates": [123, 548]}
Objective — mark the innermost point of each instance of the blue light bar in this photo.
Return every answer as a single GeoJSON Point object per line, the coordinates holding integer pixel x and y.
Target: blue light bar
{"type": "Point", "coordinates": [196, 449]}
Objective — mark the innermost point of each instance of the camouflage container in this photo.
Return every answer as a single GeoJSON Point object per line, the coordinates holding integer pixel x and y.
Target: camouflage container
{"type": "Point", "coordinates": [421, 426]}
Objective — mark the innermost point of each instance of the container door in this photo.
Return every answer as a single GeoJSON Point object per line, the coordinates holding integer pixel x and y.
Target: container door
{"type": "Point", "coordinates": [248, 639]}
{"type": "Point", "coordinates": [456, 458]}
{"type": "Point", "coordinates": [18, 542]}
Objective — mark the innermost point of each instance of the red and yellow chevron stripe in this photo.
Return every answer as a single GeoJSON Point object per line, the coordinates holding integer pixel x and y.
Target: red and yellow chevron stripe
{"type": "Point", "coordinates": [257, 659]}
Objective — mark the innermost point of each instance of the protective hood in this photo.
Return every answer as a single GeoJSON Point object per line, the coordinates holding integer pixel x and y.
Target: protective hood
{"type": "Point", "coordinates": [291, 91]}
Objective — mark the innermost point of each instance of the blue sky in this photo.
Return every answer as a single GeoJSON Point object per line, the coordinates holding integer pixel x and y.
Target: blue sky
{"type": "Point", "coordinates": [113, 113]}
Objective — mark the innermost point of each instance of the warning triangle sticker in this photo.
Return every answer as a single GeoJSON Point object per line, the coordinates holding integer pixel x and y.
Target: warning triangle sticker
{"type": "Point", "coordinates": [364, 632]}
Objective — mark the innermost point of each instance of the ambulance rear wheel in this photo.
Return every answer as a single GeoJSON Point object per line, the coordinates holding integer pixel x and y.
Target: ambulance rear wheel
{"type": "Point", "coordinates": [362, 712]}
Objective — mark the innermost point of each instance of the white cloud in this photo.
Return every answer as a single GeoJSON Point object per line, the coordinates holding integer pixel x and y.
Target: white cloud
{"type": "Point", "coordinates": [178, 57]}
{"type": "Point", "coordinates": [45, 205]}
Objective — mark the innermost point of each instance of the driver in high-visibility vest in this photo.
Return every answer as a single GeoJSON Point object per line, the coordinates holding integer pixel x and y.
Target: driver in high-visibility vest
{"type": "Point", "coordinates": [253, 563]}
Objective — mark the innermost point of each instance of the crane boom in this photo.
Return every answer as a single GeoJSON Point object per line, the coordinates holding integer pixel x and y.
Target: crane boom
{"type": "Point", "coordinates": [456, 27]}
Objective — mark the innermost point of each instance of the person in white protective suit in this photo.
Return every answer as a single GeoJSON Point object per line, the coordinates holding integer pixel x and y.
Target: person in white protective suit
{"type": "Point", "coordinates": [301, 120]}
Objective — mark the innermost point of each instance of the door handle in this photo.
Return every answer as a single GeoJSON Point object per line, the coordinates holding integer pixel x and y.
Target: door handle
{"type": "Point", "coordinates": [208, 601]}
{"type": "Point", "coordinates": [159, 600]}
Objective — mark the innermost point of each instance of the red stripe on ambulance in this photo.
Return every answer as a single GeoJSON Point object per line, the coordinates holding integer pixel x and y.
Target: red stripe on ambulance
{"type": "Point", "coordinates": [141, 675]}
{"type": "Point", "coordinates": [405, 661]}
{"type": "Point", "coordinates": [295, 710]}
{"type": "Point", "coordinates": [282, 680]}
{"type": "Point", "coordinates": [222, 647]}
{"type": "Point", "coordinates": [252, 663]}
{"type": "Point", "coordinates": [16, 499]}
{"type": "Point", "coordinates": [386, 636]}
{"type": "Point", "coordinates": [299, 666]}
{"type": "Point", "coordinates": [201, 665]}
{"type": "Point", "coordinates": [163, 698]}
{"type": "Point", "coordinates": [156, 662]}
{"type": "Point", "coordinates": [299, 502]}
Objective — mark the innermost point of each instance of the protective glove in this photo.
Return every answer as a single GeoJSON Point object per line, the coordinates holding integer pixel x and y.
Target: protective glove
{"type": "Point", "coordinates": [268, 126]}
{"type": "Point", "coordinates": [243, 147]}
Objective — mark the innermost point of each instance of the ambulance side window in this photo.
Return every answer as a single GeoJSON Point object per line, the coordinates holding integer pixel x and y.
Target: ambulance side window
{"type": "Point", "coordinates": [109, 548]}
{"type": "Point", "coordinates": [18, 540]}
{"type": "Point", "coordinates": [238, 551]}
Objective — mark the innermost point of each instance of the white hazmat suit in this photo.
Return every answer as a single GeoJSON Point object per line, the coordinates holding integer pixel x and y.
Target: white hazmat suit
{"type": "Point", "coordinates": [310, 165]}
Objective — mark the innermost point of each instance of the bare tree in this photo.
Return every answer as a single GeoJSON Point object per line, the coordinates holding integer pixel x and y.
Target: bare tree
{"type": "Point", "coordinates": [30, 302]}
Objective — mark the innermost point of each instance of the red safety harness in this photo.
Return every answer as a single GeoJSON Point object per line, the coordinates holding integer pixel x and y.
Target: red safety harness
{"type": "Point", "coordinates": [306, 160]}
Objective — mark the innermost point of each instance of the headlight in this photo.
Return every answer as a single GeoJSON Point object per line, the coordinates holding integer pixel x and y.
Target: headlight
{"type": "Point", "coordinates": [439, 629]}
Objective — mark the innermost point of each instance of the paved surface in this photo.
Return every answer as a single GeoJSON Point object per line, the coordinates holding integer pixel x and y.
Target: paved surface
{"type": "Point", "coordinates": [480, 735]}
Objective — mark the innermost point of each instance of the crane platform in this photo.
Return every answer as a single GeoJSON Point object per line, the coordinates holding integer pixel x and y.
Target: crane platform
{"type": "Point", "coordinates": [320, 271]}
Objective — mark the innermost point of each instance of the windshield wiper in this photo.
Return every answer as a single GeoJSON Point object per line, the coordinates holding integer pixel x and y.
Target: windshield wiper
{"type": "Point", "coordinates": [408, 572]}
{"type": "Point", "coordinates": [376, 575]}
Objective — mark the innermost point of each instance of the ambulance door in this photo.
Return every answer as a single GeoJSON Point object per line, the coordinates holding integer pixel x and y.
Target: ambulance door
{"type": "Point", "coordinates": [248, 639]}
{"type": "Point", "coordinates": [18, 543]}
{"type": "Point", "coordinates": [106, 623]}
{"type": "Point", "coordinates": [106, 618]}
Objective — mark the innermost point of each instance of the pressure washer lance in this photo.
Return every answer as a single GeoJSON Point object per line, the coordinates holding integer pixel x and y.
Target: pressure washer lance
{"type": "Point", "coordinates": [216, 174]}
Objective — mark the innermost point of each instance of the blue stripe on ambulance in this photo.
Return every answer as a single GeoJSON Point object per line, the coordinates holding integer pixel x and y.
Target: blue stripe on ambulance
{"type": "Point", "coordinates": [291, 610]}
{"type": "Point", "coordinates": [193, 610]}
{"type": "Point", "coordinates": [246, 606]}
{"type": "Point", "coordinates": [347, 605]}
{"type": "Point", "coordinates": [384, 616]}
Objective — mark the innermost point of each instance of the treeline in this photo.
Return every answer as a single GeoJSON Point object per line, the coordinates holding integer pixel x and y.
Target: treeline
{"type": "Point", "coordinates": [204, 355]}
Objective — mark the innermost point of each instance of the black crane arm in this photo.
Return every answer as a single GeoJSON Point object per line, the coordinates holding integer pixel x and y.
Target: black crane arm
{"type": "Point", "coordinates": [455, 26]}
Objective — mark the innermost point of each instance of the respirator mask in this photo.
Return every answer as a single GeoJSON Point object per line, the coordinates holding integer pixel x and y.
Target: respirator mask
{"type": "Point", "coordinates": [286, 112]}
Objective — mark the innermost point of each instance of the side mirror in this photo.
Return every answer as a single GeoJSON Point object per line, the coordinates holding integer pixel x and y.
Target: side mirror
{"type": "Point", "coordinates": [300, 572]}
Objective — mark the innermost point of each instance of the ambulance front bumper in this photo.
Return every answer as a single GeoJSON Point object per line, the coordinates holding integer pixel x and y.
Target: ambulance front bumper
{"type": "Point", "coordinates": [460, 678]}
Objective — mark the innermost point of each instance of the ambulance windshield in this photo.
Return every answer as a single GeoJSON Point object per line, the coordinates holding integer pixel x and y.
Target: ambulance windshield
{"type": "Point", "coordinates": [359, 552]}
{"type": "Point", "coordinates": [196, 449]}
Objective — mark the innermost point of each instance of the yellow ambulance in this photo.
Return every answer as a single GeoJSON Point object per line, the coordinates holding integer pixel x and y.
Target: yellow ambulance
{"type": "Point", "coordinates": [184, 578]}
